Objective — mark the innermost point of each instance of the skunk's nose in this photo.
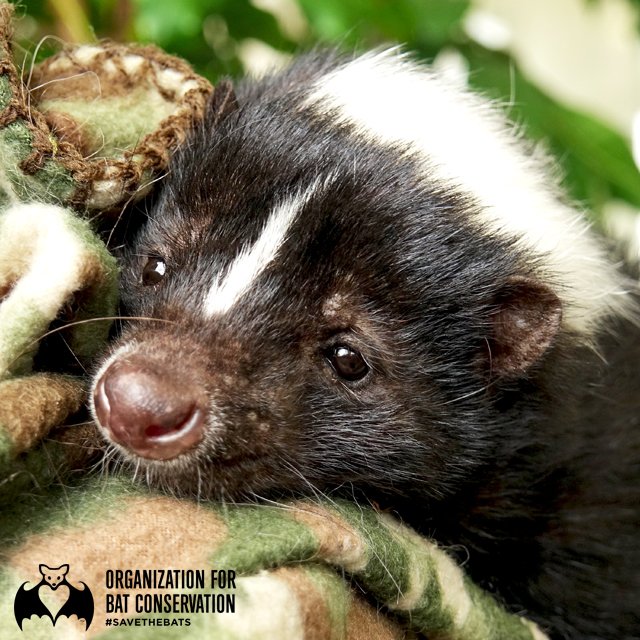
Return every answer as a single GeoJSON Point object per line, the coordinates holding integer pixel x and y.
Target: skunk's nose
{"type": "Point", "coordinates": [149, 411]}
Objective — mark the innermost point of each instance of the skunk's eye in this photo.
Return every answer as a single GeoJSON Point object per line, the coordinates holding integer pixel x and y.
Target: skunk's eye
{"type": "Point", "coordinates": [153, 271]}
{"type": "Point", "coordinates": [347, 362]}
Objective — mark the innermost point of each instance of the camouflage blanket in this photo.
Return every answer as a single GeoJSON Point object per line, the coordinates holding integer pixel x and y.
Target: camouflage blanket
{"type": "Point", "coordinates": [281, 571]}
{"type": "Point", "coordinates": [85, 554]}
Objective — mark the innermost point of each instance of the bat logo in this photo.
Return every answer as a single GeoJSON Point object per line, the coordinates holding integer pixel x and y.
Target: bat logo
{"type": "Point", "coordinates": [27, 602]}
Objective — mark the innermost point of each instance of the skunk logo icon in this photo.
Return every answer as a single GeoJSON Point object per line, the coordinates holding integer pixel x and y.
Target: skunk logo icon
{"type": "Point", "coordinates": [27, 602]}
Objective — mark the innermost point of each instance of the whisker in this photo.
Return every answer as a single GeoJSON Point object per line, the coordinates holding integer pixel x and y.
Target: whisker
{"type": "Point", "coordinates": [25, 86]}
{"type": "Point", "coordinates": [78, 322]}
{"type": "Point", "coordinates": [75, 357]}
{"type": "Point", "coordinates": [128, 202]}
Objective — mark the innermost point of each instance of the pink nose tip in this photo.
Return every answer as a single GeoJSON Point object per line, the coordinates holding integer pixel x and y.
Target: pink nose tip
{"type": "Point", "coordinates": [148, 411]}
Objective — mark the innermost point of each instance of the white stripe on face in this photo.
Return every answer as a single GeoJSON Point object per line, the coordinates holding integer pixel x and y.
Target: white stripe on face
{"type": "Point", "coordinates": [252, 261]}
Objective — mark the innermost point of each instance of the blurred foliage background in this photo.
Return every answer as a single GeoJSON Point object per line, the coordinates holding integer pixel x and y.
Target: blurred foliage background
{"type": "Point", "coordinates": [478, 40]}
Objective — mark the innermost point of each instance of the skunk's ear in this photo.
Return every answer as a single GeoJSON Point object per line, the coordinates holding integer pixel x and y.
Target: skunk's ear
{"type": "Point", "coordinates": [524, 325]}
{"type": "Point", "coordinates": [222, 102]}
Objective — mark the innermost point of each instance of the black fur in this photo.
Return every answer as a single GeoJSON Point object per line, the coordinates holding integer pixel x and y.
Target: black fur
{"type": "Point", "coordinates": [535, 476]}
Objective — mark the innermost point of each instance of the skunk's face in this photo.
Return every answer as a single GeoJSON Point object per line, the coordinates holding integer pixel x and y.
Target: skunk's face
{"type": "Point", "coordinates": [312, 310]}
{"type": "Point", "coordinates": [291, 342]}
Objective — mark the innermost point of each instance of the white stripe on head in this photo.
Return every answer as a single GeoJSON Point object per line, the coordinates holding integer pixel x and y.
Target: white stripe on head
{"type": "Point", "coordinates": [465, 143]}
{"type": "Point", "coordinates": [252, 261]}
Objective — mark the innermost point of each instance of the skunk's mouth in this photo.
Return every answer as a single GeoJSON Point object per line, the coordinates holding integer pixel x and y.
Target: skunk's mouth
{"type": "Point", "coordinates": [208, 471]}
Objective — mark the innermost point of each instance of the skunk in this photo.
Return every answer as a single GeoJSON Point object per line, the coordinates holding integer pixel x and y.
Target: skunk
{"type": "Point", "coordinates": [360, 279]}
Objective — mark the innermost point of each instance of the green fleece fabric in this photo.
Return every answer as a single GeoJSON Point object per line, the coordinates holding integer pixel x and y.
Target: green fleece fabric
{"type": "Point", "coordinates": [287, 557]}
